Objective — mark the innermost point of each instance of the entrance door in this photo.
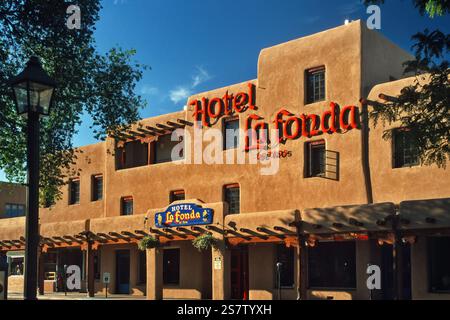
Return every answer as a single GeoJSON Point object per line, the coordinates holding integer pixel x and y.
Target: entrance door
{"type": "Point", "coordinates": [123, 272]}
{"type": "Point", "coordinates": [388, 273]}
{"type": "Point", "coordinates": [239, 273]}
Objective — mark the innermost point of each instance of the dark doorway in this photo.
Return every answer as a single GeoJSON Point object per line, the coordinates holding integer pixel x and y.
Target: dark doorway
{"type": "Point", "coordinates": [56, 263]}
{"type": "Point", "coordinates": [123, 272]}
{"type": "Point", "coordinates": [387, 272]}
{"type": "Point", "coordinates": [239, 274]}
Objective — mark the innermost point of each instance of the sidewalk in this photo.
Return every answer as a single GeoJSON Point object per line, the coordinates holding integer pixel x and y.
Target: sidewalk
{"type": "Point", "coordinates": [76, 296]}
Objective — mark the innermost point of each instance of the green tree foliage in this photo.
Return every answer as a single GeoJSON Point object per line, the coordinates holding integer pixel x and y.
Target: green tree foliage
{"type": "Point", "coordinates": [424, 106]}
{"type": "Point", "coordinates": [101, 85]}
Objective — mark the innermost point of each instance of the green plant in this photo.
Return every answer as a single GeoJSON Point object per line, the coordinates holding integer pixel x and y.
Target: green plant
{"type": "Point", "coordinates": [148, 242]}
{"type": "Point", "coordinates": [205, 242]}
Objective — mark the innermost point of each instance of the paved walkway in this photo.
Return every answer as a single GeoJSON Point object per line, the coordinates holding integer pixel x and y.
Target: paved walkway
{"type": "Point", "coordinates": [76, 296]}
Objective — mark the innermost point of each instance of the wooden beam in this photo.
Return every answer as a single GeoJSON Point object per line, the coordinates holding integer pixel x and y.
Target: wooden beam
{"type": "Point", "coordinates": [147, 132]}
{"type": "Point", "coordinates": [187, 123]}
{"type": "Point", "coordinates": [176, 125]}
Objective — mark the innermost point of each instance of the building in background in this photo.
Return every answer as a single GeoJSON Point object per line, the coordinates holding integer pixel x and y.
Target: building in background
{"type": "Point", "coordinates": [343, 197]}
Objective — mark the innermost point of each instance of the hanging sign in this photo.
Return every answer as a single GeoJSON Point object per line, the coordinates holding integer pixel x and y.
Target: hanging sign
{"type": "Point", "coordinates": [179, 215]}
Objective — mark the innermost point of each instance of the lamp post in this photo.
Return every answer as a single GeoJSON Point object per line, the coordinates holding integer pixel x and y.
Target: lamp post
{"type": "Point", "coordinates": [33, 92]}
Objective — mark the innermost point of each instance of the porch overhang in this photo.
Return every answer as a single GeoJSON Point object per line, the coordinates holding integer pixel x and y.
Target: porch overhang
{"type": "Point", "coordinates": [348, 219]}
{"type": "Point", "coordinates": [425, 216]}
{"type": "Point", "coordinates": [262, 227]}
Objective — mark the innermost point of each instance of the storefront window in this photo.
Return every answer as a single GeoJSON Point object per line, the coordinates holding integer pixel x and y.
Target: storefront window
{"type": "Point", "coordinates": [439, 264]}
{"type": "Point", "coordinates": [315, 85]}
{"type": "Point", "coordinates": [14, 210]}
{"type": "Point", "coordinates": [231, 134]}
{"type": "Point", "coordinates": [332, 265]}
{"type": "Point", "coordinates": [232, 197]}
{"type": "Point", "coordinates": [405, 149]}
{"type": "Point", "coordinates": [127, 206]}
{"type": "Point", "coordinates": [178, 195]}
{"type": "Point", "coordinates": [142, 277]}
{"type": "Point", "coordinates": [16, 266]}
{"type": "Point", "coordinates": [286, 257]}
{"type": "Point", "coordinates": [315, 159]}
{"type": "Point", "coordinates": [74, 191]}
{"type": "Point", "coordinates": [97, 188]}
{"type": "Point", "coordinates": [171, 267]}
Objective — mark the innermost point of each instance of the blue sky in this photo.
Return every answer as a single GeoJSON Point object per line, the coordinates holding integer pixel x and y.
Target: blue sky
{"type": "Point", "coordinates": [198, 45]}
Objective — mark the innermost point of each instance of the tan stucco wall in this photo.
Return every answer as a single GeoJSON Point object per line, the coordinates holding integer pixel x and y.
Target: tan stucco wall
{"type": "Point", "coordinates": [11, 194]}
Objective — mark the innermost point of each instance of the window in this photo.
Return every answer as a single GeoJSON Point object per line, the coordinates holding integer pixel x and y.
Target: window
{"type": "Point", "coordinates": [97, 188]}
{"type": "Point", "coordinates": [171, 267]}
{"type": "Point", "coordinates": [286, 257]}
{"type": "Point", "coordinates": [439, 264]}
{"type": "Point", "coordinates": [315, 159]}
{"type": "Point", "coordinates": [142, 274]}
{"type": "Point", "coordinates": [164, 147]}
{"type": "Point", "coordinates": [177, 196]}
{"type": "Point", "coordinates": [232, 197]}
{"type": "Point", "coordinates": [231, 133]}
{"type": "Point", "coordinates": [127, 206]}
{"type": "Point", "coordinates": [16, 266]}
{"type": "Point", "coordinates": [315, 85]}
{"type": "Point", "coordinates": [405, 149]}
{"type": "Point", "coordinates": [332, 265]}
{"type": "Point", "coordinates": [97, 264]}
{"type": "Point", "coordinates": [13, 210]}
{"type": "Point", "coordinates": [74, 191]}
{"type": "Point", "coordinates": [131, 155]}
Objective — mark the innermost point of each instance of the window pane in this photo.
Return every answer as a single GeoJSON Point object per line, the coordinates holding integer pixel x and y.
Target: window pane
{"type": "Point", "coordinates": [316, 159]}
{"type": "Point", "coordinates": [97, 188]}
{"type": "Point", "coordinates": [405, 149]}
{"type": "Point", "coordinates": [332, 265]}
{"type": "Point", "coordinates": [231, 135]}
{"type": "Point", "coordinates": [74, 192]}
{"type": "Point", "coordinates": [232, 197]}
{"type": "Point", "coordinates": [315, 86]}
{"type": "Point", "coordinates": [127, 207]}
{"type": "Point", "coordinates": [171, 266]}
{"type": "Point", "coordinates": [177, 196]}
{"type": "Point", "coordinates": [439, 264]}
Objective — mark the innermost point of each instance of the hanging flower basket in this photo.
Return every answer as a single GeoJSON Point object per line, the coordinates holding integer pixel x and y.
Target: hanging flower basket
{"type": "Point", "coordinates": [205, 242]}
{"type": "Point", "coordinates": [148, 242]}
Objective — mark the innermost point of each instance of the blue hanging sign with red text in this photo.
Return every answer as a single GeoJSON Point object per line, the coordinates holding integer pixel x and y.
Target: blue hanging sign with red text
{"type": "Point", "coordinates": [186, 214]}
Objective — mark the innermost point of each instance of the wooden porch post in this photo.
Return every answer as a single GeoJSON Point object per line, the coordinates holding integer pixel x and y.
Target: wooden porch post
{"type": "Point", "coordinates": [302, 265]}
{"type": "Point", "coordinates": [155, 274]}
{"type": "Point", "coordinates": [90, 269]}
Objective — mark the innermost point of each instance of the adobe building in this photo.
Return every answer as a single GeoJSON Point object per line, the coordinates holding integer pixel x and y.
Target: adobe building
{"type": "Point", "coordinates": [341, 198]}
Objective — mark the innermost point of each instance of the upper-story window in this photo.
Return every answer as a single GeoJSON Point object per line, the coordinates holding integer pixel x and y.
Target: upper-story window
{"type": "Point", "coordinates": [178, 195]}
{"type": "Point", "coordinates": [14, 210]}
{"type": "Point", "coordinates": [127, 206]}
{"type": "Point", "coordinates": [97, 187]}
{"type": "Point", "coordinates": [231, 133]}
{"type": "Point", "coordinates": [74, 191]}
{"type": "Point", "coordinates": [232, 196]}
{"type": "Point", "coordinates": [315, 85]}
{"type": "Point", "coordinates": [315, 159]}
{"type": "Point", "coordinates": [405, 149]}
{"type": "Point", "coordinates": [165, 146]}
{"type": "Point", "coordinates": [133, 154]}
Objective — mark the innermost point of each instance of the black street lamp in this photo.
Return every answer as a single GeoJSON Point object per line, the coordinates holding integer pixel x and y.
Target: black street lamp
{"type": "Point", "coordinates": [33, 92]}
